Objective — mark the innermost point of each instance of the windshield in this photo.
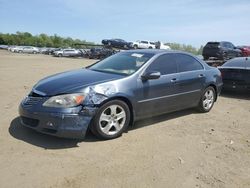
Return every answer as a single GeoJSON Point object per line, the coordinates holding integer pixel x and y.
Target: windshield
{"type": "Point", "coordinates": [125, 63]}
{"type": "Point", "coordinates": [212, 44]}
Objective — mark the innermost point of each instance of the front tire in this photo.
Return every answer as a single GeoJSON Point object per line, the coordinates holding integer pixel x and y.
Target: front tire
{"type": "Point", "coordinates": [111, 120]}
{"type": "Point", "coordinates": [207, 100]}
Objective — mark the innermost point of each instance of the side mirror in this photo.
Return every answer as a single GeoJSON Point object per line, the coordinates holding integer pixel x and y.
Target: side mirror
{"type": "Point", "coordinates": [151, 75]}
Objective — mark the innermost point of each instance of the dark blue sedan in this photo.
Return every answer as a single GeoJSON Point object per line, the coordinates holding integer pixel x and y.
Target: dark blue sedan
{"type": "Point", "coordinates": [110, 95]}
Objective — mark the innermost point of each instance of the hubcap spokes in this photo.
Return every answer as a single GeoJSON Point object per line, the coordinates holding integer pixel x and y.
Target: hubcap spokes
{"type": "Point", "coordinates": [208, 99]}
{"type": "Point", "coordinates": [112, 119]}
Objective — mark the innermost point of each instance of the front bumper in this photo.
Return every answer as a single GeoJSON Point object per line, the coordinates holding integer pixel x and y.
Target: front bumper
{"type": "Point", "coordinates": [71, 124]}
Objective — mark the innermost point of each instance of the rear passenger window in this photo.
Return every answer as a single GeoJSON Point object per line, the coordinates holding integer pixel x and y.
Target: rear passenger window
{"type": "Point", "coordinates": [165, 64]}
{"type": "Point", "coordinates": [187, 63]}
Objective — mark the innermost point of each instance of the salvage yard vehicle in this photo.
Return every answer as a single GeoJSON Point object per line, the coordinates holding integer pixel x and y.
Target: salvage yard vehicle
{"type": "Point", "coordinates": [68, 53]}
{"type": "Point", "coordinates": [117, 43]}
{"type": "Point", "coordinates": [29, 49]}
{"type": "Point", "coordinates": [220, 50]}
{"type": "Point", "coordinates": [110, 95]}
{"type": "Point", "coordinates": [245, 50]}
{"type": "Point", "coordinates": [236, 74]}
{"type": "Point", "coordinates": [15, 48]}
{"type": "Point", "coordinates": [100, 53]}
{"type": "Point", "coordinates": [144, 44]}
{"type": "Point", "coordinates": [47, 51]}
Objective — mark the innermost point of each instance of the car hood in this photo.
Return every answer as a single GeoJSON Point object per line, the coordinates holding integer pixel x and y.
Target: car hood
{"type": "Point", "coordinates": [72, 81]}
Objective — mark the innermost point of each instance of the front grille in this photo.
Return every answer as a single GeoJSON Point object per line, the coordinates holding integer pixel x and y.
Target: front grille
{"type": "Point", "coordinates": [31, 101]}
{"type": "Point", "coordinates": [29, 121]}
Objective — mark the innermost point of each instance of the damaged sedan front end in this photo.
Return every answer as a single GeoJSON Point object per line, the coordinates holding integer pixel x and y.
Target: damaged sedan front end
{"type": "Point", "coordinates": [66, 115]}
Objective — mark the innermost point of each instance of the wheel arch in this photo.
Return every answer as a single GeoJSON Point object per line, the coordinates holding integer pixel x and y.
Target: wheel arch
{"type": "Point", "coordinates": [215, 89]}
{"type": "Point", "coordinates": [128, 102]}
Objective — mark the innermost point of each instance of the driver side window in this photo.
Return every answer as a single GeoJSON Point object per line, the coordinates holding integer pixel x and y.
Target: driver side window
{"type": "Point", "coordinates": [165, 64]}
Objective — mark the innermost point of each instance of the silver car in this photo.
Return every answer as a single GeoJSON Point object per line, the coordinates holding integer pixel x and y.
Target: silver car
{"type": "Point", "coordinates": [68, 53]}
{"type": "Point", "coordinates": [29, 49]}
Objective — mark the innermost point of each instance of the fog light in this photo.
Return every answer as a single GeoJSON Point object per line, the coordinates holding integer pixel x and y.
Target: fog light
{"type": "Point", "coordinates": [50, 124]}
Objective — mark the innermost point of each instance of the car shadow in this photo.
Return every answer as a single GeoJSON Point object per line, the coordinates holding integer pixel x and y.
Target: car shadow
{"type": "Point", "coordinates": [236, 95]}
{"type": "Point", "coordinates": [18, 131]}
{"type": "Point", "coordinates": [161, 118]}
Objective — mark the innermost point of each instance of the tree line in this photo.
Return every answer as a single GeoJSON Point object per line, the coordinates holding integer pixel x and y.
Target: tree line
{"type": "Point", "coordinates": [41, 40]}
{"type": "Point", "coordinates": [44, 40]}
{"type": "Point", "coordinates": [186, 48]}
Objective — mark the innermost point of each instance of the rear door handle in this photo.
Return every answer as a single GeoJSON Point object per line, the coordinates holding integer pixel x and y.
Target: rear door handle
{"type": "Point", "coordinates": [174, 80]}
{"type": "Point", "coordinates": [201, 75]}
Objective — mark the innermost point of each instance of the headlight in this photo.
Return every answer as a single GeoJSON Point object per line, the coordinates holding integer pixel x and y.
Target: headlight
{"type": "Point", "coordinates": [65, 101]}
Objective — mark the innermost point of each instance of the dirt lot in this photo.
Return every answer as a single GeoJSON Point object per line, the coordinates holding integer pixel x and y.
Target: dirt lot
{"type": "Point", "coordinates": [183, 149]}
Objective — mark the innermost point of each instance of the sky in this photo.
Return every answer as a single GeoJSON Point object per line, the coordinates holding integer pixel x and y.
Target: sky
{"type": "Point", "coordinates": [192, 22]}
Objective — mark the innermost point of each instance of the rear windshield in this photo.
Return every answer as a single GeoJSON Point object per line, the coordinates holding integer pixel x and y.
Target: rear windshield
{"type": "Point", "coordinates": [238, 62]}
{"type": "Point", "coordinates": [212, 44]}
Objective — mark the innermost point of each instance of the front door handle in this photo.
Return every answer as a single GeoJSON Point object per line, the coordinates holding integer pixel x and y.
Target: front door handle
{"type": "Point", "coordinates": [201, 75]}
{"type": "Point", "coordinates": [173, 80]}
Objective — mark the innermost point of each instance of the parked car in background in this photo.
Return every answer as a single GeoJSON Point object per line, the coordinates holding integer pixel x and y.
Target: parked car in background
{"type": "Point", "coordinates": [68, 53]}
{"type": "Point", "coordinates": [220, 50]}
{"type": "Point", "coordinates": [161, 45]}
{"type": "Point", "coordinates": [47, 51]}
{"type": "Point", "coordinates": [117, 43]}
{"type": "Point", "coordinates": [100, 53]}
{"type": "Point", "coordinates": [4, 47]}
{"type": "Point", "coordinates": [245, 50]}
{"type": "Point", "coordinates": [144, 44]}
{"type": "Point", "coordinates": [111, 94]}
{"type": "Point", "coordinates": [15, 48]}
{"type": "Point", "coordinates": [236, 74]}
{"type": "Point", "coordinates": [28, 49]}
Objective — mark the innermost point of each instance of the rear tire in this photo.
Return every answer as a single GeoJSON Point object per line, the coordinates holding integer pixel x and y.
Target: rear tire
{"type": "Point", "coordinates": [207, 100]}
{"type": "Point", "coordinates": [111, 120]}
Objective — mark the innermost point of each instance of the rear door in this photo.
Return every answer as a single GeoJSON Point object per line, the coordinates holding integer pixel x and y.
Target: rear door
{"type": "Point", "coordinates": [144, 44]}
{"type": "Point", "coordinates": [158, 96]}
{"type": "Point", "coordinates": [191, 81]}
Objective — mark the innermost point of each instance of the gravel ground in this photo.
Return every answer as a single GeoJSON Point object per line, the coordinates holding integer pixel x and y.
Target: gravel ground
{"type": "Point", "coordinates": [183, 149]}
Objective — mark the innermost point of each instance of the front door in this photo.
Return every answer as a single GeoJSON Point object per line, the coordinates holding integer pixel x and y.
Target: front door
{"type": "Point", "coordinates": [158, 96]}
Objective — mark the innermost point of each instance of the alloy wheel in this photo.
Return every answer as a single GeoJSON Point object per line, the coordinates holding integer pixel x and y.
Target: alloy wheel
{"type": "Point", "coordinates": [112, 119]}
{"type": "Point", "coordinates": [208, 99]}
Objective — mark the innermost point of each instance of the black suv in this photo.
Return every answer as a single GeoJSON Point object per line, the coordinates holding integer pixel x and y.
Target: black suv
{"type": "Point", "coordinates": [100, 53]}
{"type": "Point", "coordinates": [220, 50]}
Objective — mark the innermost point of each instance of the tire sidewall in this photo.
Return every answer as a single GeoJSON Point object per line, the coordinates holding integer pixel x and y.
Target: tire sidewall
{"type": "Point", "coordinates": [95, 128]}
{"type": "Point", "coordinates": [201, 107]}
